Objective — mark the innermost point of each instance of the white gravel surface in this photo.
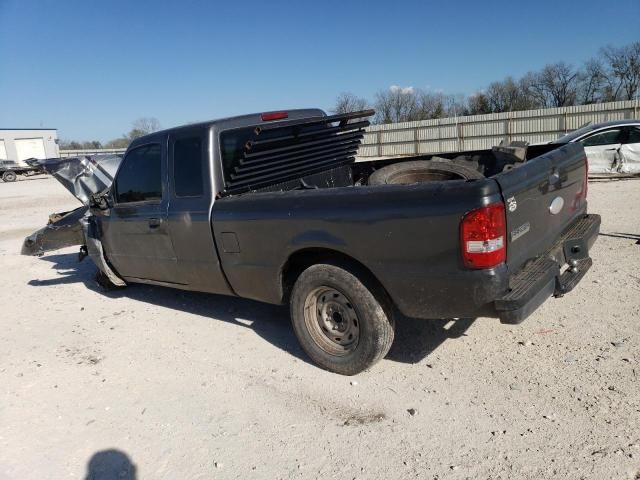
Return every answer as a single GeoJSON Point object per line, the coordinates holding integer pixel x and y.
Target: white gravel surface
{"type": "Point", "coordinates": [175, 385]}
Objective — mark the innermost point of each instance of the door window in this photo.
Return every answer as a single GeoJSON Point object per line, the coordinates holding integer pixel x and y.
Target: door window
{"type": "Point", "coordinates": [607, 137]}
{"type": "Point", "coordinates": [633, 135]}
{"type": "Point", "coordinates": [187, 167]}
{"type": "Point", "coordinates": [140, 176]}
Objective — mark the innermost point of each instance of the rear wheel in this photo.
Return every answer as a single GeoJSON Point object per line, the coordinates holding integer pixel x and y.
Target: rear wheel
{"type": "Point", "coordinates": [339, 322]}
{"type": "Point", "coordinates": [9, 176]}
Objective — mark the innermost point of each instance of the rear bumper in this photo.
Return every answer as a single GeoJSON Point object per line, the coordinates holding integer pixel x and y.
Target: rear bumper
{"type": "Point", "coordinates": [556, 272]}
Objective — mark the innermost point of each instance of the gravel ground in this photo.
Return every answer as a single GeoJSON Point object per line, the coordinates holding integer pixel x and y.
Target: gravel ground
{"type": "Point", "coordinates": [176, 385]}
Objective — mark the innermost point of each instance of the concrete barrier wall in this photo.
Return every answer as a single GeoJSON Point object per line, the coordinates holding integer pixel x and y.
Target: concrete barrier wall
{"type": "Point", "coordinates": [475, 132]}
{"type": "Point", "coordinates": [95, 151]}
{"type": "Point", "coordinates": [478, 132]}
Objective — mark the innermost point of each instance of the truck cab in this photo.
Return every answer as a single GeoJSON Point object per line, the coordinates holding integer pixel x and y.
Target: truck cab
{"type": "Point", "coordinates": [158, 229]}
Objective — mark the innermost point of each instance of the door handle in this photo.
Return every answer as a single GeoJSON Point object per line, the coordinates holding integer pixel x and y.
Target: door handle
{"type": "Point", "coordinates": [154, 222]}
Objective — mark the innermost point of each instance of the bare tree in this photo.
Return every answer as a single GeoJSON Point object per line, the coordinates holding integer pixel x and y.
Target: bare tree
{"type": "Point", "coordinates": [478, 104]}
{"type": "Point", "coordinates": [508, 96]}
{"type": "Point", "coordinates": [429, 105]}
{"type": "Point", "coordinates": [348, 102]}
{"type": "Point", "coordinates": [454, 106]}
{"type": "Point", "coordinates": [408, 104]}
{"type": "Point", "coordinates": [559, 82]}
{"type": "Point", "coordinates": [533, 89]}
{"type": "Point", "coordinates": [556, 85]}
{"type": "Point", "coordinates": [624, 70]}
{"type": "Point", "coordinates": [143, 126]}
{"type": "Point", "coordinates": [592, 83]}
{"type": "Point", "coordinates": [397, 104]}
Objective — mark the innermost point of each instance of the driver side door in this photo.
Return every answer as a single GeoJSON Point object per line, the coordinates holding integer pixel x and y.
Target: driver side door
{"type": "Point", "coordinates": [136, 236]}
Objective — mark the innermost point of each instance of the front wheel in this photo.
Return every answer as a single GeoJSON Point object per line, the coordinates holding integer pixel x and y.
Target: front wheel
{"type": "Point", "coordinates": [9, 176]}
{"type": "Point", "coordinates": [103, 281]}
{"type": "Point", "coordinates": [339, 322]}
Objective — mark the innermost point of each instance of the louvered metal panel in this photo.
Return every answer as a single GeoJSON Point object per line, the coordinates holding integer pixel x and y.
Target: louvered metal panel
{"type": "Point", "coordinates": [275, 153]}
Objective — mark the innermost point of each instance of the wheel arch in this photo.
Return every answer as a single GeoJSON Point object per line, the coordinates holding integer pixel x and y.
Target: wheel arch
{"type": "Point", "coordinates": [302, 259]}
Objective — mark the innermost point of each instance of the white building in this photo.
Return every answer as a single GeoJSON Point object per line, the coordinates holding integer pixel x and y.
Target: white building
{"type": "Point", "coordinates": [19, 144]}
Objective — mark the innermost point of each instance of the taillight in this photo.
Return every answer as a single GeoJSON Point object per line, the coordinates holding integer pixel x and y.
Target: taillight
{"type": "Point", "coordinates": [586, 176]}
{"type": "Point", "coordinates": [483, 236]}
{"type": "Point", "coordinates": [581, 194]}
{"type": "Point", "coordinates": [268, 116]}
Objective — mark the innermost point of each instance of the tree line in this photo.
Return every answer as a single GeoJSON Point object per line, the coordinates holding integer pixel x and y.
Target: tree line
{"type": "Point", "coordinates": [139, 127]}
{"type": "Point", "coordinates": [613, 74]}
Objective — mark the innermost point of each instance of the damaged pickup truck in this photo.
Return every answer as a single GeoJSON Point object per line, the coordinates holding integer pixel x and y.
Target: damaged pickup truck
{"type": "Point", "coordinates": [273, 207]}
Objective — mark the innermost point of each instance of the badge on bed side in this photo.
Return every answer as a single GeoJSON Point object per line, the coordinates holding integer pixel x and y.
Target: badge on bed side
{"type": "Point", "coordinates": [520, 231]}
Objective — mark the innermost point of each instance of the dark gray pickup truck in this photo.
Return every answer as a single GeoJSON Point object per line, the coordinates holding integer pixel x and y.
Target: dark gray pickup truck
{"type": "Point", "coordinates": [273, 207]}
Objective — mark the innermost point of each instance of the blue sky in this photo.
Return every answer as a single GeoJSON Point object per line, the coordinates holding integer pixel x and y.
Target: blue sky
{"type": "Point", "coordinates": [89, 68]}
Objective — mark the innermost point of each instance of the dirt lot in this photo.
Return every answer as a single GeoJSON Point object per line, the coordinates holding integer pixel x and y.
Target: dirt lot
{"type": "Point", "coordinates": [192, 386]}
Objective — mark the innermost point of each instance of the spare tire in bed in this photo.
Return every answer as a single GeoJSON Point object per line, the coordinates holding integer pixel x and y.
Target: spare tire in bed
{"type": "Point", "coordinates": [421, 171]}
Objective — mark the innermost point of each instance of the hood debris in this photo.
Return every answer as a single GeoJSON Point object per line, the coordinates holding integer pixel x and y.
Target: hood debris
{"type": "Point", "coordinates": [82, 176]}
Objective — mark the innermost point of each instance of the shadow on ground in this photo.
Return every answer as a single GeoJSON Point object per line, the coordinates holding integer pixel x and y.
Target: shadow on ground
{"type": "Point", "coordinates": [626, 236]}
{"type": "Point", "coordinates": [415, 339]}
{"type": "Point", "coordinates": [111, 465]}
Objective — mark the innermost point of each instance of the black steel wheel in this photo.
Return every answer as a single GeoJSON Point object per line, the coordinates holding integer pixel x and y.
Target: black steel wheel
{"type": "Point", "coordinates": [331, 320]}
{"type": "Point", "coordinates": [341, 324]}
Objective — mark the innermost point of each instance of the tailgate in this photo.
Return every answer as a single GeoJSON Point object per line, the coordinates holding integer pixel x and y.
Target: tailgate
{"type": "Point", "coordinates": [542, 197]}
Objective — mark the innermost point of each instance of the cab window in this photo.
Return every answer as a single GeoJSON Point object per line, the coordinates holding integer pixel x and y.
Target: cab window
{"type": "Point", "coordinates": [140, 176]}
{"type": "Point", "coordinates": [607, 137]}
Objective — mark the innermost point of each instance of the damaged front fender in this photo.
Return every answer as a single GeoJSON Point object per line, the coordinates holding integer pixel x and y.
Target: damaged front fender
{"type": "Point", "coordinates": [95, 251]}
{"type": "Point", "coordinates": [63, 230]}
{"type": "Point", "coordinates": [84, 177]}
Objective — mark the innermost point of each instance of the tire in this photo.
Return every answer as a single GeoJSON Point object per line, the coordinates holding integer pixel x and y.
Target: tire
{"type": "Point", "coordinates": [103, 281]}
{"type": "Point", "coordinates": [9, 176]}
{"type": "Point", "coordinates": [340, 323]}
{"type": "Point", "coordinates": [421, 171]}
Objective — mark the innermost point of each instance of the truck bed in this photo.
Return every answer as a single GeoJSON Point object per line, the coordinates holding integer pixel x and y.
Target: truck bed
{"type": "Point", "coordinates": [404, 235]}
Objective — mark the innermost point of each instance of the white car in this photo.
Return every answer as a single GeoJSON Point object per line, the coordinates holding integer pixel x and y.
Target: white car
{"type": "Point", "coordinates": [611, 147]}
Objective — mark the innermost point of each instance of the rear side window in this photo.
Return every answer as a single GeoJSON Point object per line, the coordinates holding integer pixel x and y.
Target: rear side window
{"type": "Point", "coordinates": [187, 167]}
{"type": "Point", "coordinates": [233, 144]}
{"type": "Point", "coordinates": [634, 135]}
{"type": "Point", "coordinates": [140, 176]}
{"type": "Point", "coordinates": [603, 138]}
